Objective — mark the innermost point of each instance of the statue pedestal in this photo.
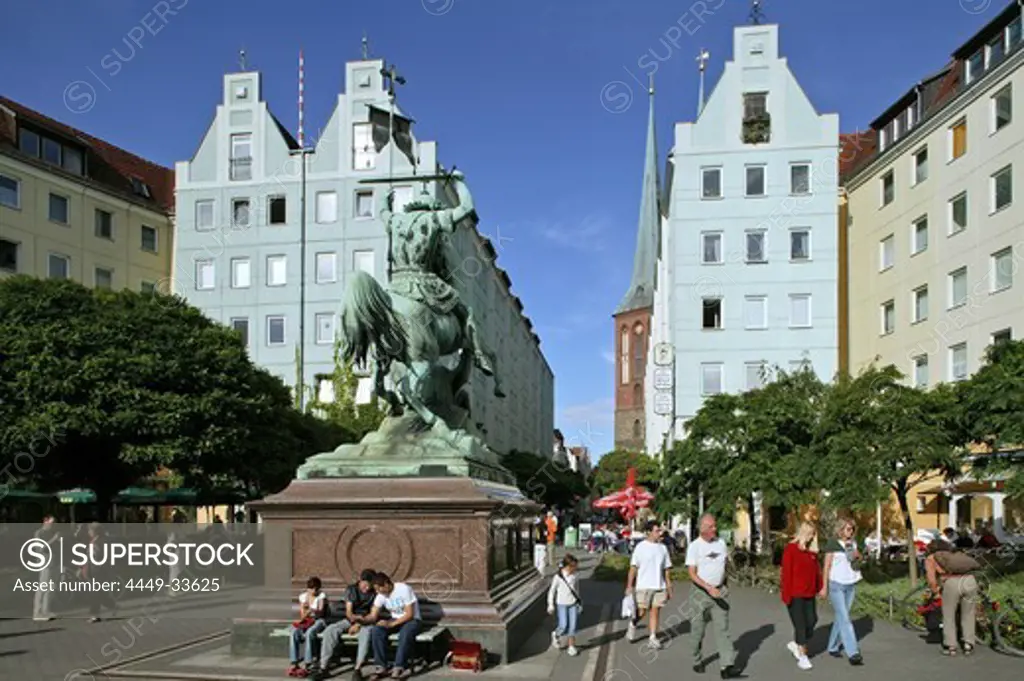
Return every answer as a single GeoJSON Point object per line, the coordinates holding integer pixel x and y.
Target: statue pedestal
{"type": "Point", "coordinates": [463, 545]}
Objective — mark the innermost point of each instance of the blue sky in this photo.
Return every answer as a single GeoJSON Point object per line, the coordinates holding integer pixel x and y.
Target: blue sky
{"type": "Point", "coordinates": [537, 101]}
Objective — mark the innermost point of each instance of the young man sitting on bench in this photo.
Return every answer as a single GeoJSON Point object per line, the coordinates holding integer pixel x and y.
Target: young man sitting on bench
{"type": "Point", "coordinates": [401, 603]}
{"type": "Point", "coordinates": [360, 615]}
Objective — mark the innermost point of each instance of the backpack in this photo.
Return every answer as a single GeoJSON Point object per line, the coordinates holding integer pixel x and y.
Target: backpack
{"type": "Point", "coordinates": [956, 562]}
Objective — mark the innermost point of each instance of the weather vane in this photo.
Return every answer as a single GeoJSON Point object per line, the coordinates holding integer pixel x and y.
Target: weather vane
{"type": "Point", "coordinates": [756, 13]}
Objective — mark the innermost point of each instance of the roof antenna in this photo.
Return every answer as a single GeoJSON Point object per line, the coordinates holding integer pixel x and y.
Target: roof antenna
{"type": "Point", "coordinates": [241, 59]}
{"type": "Point", "coordinates": [756, 13]}
{"type": "Point", "coordinates": [366, 47]}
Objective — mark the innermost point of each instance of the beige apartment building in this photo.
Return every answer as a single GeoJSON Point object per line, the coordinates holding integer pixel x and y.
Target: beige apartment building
{"type": "Point", "coordinates": [936, 226]}
{"type": "Point", "coordinates": [76, 207]}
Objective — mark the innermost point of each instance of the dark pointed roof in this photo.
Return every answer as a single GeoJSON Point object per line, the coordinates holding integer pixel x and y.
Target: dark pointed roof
{"type": "Point", "coordinates": [641, 288]}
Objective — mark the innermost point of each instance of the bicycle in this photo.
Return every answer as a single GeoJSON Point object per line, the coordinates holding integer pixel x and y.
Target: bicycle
{"type": "Point", "coordinates": [1008, 628]}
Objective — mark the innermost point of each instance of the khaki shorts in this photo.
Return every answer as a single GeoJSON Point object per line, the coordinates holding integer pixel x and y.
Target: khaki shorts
{"type": "Point", "coordinates": [650, 598]}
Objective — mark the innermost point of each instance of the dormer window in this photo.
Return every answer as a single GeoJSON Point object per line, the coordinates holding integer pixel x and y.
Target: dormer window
{"type": "Point", "coordinates": [141, 188]}
{"type": "Point", "coordinates": [975, 65]}
{"type": "Point", "coordinates": [52, 150]}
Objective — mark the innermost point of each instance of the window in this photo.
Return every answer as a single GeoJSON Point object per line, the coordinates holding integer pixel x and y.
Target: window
{"type": "Point", "coordinates": [51, 151]}
{"type": "Point", "coordinates": [275, 330]}
{"type": "Point", "coordinates": [755, 375]}
{"type": "Point", "coordinates": [147, 287]}
{"type": "Point", "coordinates": [326, 207]}
{"type": "Point", "coordinates": [1002, 189]}
{"type": "Point", "coordinates": [324, 328]}
{"type": "Point", "coordinates": [919, 235]}
{"type": "Point", "coordinates": [141, 188]}
{"type": "Point", "coordinates": [58, 266]}
{"type": "Point", "coordinates": [204, 215]}
{"type": "Point", "coordinates": [638, 352]}
{"type": "Point", "coordinates": [8, 255]}
{"type": "Point", "coordinates": [1002, 108]}
{"type": "Point", "coordinates": [326, 268]}
{"type": "Point", "coordinates": [240, 213]}
{"type": "Point", "coordinates": [958, 214]}
{"type": "Point", "coordinates": [402, 197]}
{"type": "Point", "coordinates": [711, 183]}
{"type": "Point", "coordinates": [1013, 34]}
{"type": "Point", "coordinates": [756, 120]}
{"type": "Point", "coordinates": [104, 225]}
{"type": "Point", "coordinates": [28, 142]}
{"type": "Point", "coordinates": [241, 326]}
{"type": "Point", "coordinates": [755, 312]}
{"type": "Point", "coordinates": [800, 310]}
{"type": "Point", "coordinates": [1002, 269]}
{"type": "Point", "coordinates": [921, 371]}
{"type": "Point", "coordinates": [755, 181]}
{"type": "Point", "coordinates": [104, 278]}
{"type": "Point", "coordinates": [241, 273]}
{"type": "Point", "coordinates": [755, 105]}
{"type": "Point", "coordinates": [364, 203]}
{"type": "Point", "coordinates": [975, 65]}
{"type": "Point", "coordinates": [711, 248]}
{"type": "Point", "coordinates": [624, 355]}
{"type": "Point", "coordinates": [888, 189]}
{"type": "Point", "coordinates": [957, 287]}
{"type": "Point", "coordinates": [205, 278]}
{"type": "Point", "coordinates": [711, 378]}
{"type": "Point", "coordinates": [712, 313]}
{"type": "Point", "coordinates": [74, 161]}
{"type": "Point", "coordinates": [364, 153]}
{"type": "Point", "coordinates": [800, 178]}
{"type": "Point", "coordinates": [958, 362]}
{"type": "Point", "coordinates": [637, 428]}
{"type": "Point", "coordinates": [755, 247]}
{"type": "Point", "coordinates": [1003, 336]}
{"type": "Point", "coordinates": [277, 210]}
{"type": "Point", "coordinates": [888, 317]}
{"type": "Point", "coordinates": [920, 166]}
{"type": "Point", "coordinates": [10, 192]}
{"type": "Point", "coordinates": [363, 261]}
{"type": "Point", "coordinates": [800, 244]}
{"type": "Point", "coordinates": [920, 304]}
{"type": "Point", "coordinates": [277, 270]}
{"type": "Point", "coordinates": [995, 50]}
{"type": "Point", "coordinates": [886, 253]}
{"type": "Point", "coordinates": [958, 139]}
{"type": "Point", "coordinates": [59, 209]}
{"type": "Point", "coordinates": [241, 157]}
{"type": "Point", "coordinates": [148, 239]}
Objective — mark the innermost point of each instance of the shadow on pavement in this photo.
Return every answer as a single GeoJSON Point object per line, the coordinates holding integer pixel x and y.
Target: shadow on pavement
{"type": "Point", "coordinates": [750, 642]}
{"type": "Point", "coordinates": [863, 627]}
{"type": "Point", "coordinates": [30, 632]}
{"type": "Point", "coordinates": [11, 653]}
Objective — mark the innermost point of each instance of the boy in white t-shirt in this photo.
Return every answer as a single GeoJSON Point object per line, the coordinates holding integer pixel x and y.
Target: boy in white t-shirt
{"type": "Point", "coordinates": [403, 609]}
{"type": "Point", "coordinates": [312, 614]}
{"type": "Point", "coordinates": [649, 574]}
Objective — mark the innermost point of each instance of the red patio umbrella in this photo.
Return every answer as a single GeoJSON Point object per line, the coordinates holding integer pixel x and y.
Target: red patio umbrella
{"type": "Point", "coordinates": [628, 499]}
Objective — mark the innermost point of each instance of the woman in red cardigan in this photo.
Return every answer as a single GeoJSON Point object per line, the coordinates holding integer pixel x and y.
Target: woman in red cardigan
{"type": "Point", "coordinates": [801, 582]}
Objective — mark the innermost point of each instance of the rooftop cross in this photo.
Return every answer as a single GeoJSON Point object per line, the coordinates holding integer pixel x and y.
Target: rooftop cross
{"type": "Point", "coordinates": [391, 78]}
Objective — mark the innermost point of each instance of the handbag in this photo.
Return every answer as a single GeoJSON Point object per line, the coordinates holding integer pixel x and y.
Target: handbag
{"type": "Point", "coordinates": [303, 624]}
{"type": "Point", "coordinates": [579, 603]}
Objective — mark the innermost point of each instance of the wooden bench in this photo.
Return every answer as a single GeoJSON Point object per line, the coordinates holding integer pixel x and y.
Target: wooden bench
{"type": "Point", "coordinates": [426, 641]}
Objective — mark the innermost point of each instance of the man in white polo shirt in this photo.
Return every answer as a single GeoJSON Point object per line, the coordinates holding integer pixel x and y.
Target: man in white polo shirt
{"type": "Point", "coordinates": [649, 573]}
{"type": "Point", "coordinates": [706, 558]}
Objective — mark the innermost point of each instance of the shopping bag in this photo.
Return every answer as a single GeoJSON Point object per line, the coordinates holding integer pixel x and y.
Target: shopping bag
{"type": "Point", "coordinates": [628, 608]}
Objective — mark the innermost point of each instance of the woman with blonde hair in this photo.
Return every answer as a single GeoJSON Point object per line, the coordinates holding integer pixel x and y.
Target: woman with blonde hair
{"type": "Point", "coordinates": [801, 582]}
{"type": "Point", "coordinates": [842, 572]}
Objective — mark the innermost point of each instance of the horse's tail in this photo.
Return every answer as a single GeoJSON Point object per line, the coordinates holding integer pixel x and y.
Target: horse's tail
{"type": "Point", "coordinates": [367, 318]}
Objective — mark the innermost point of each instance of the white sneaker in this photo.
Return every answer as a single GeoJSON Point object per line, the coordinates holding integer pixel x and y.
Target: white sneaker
{"type": "Point", "coordinates": [555, 643]}
{"type": "Point", "coordinates": [572, 651]}
{"type": "Point", "coordinates": [804, 663]}
{"type": "Point", "coordinates": [631, 632]}
{"type": "Point", "coordinates": [795, 649]}
{"type": "Point", "coordinates": [654, 642]}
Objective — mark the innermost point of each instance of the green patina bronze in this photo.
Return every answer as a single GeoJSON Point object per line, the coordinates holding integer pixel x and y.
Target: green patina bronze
{"type": "Point", "coordinates": [422, 343]}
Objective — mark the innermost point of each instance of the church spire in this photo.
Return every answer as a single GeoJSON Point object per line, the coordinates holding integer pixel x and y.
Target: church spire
{"type": "Point", "coordinates": [641, 287]}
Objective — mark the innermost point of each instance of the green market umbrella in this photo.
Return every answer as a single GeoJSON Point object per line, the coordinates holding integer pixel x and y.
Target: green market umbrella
{"type": "Point", "coordinates": [76, 496]}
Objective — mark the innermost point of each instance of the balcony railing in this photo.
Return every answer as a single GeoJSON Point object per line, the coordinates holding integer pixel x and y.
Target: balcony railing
{"type": "Point", "coordinates": [241, 168]}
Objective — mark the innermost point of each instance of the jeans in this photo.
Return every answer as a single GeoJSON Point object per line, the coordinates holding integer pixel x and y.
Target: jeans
{"type": "Point", "coordinates": [308, 637]}
{"type": "Point", "coordinates": [568, 615]}
{"type": "Point", "coordinates": [406, 640]}
{"type": "Point", "coordinates": [804, 616]}
{"type": "Point", "coordinates": [841, 596]}
{"type": "Point", "coordinates": [331, 638]}
{"type": "Point", "coordinates": [701, 603]}
{"type": "Point", "coordinates": [41, 599]}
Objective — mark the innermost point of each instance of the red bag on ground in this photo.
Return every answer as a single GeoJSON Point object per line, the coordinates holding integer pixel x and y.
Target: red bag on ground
{"type": "Point", "coordinates": [465, 655]}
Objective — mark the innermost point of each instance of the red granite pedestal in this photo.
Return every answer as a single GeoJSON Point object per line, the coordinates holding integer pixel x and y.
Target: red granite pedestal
{"type": "Point", "coordinates": [464, 545]}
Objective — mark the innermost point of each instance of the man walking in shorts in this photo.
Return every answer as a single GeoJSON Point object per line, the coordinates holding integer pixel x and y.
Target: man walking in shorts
{"type": "Point", "coordinates": [649, 574]}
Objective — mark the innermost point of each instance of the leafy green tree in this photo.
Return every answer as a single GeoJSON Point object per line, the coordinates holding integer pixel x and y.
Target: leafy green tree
{"type": "Point", "coordinates": [343, 412]}
{"type": "Point", "coordinates": [610, 472]}
{"type": "Point", "coordinates": [992, 410]}
{"type": "Point", "coordinates": [878, 437]}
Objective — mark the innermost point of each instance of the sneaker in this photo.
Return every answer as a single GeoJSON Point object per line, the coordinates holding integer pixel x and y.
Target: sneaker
{"type": "Point", "coordinates": [804, 663]}
{"type": "Point", "coordinates": [857, 660]}
{"type": "Point", "coordinates": [794, 648]}
{"type": "Point", "coordinates": [631, 632]}
{"type": "Point", "coordinates": [730, 672]}
{"type": "Point", "coordinates": [572, 651]}
{"type": "Point", "coordinates": [654, 642]}
{"type": "Point", "coordinates": [555, 642]}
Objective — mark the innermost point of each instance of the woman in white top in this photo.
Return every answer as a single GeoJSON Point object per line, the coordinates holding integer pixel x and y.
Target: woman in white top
{"type": "Point", "coordinates": [563, 596]}
{"type": "Point", "coordinates": [842, 560]}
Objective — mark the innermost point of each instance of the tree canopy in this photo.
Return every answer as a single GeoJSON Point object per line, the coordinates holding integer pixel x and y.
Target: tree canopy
{"type": "Point", "coordinates": [544, 480]}
{"type": "Point", "coordinates": [610, 472]}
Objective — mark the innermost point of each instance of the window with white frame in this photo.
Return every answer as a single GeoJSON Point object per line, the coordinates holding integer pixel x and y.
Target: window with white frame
{"type": "Point", "coordinates": [800, 244]}
{"type": "Point", "coordinates": [920, 300]}
{"type": "Point", "coordinates": [887, 188]}
{"type": "Point", "coordinates": [755, 312]}
{"type": "Point", "coordinates": [205, 275]}
{"type": "Point", "coordinates": [1002, 108]}
{"type": "Point", "coordinates": [886, 253]}
{"type": "Point", "coordinates": [756, 252]}
{"type": "Point", "coordinates": [10, 192]}
{"type": "Point", "coordinates": [800, 310]}
{"type": "Point", "coordinates": [324, 328]}
{"type": "Point", "coordinates": [957, 287]}
{"type": "Point", "coordinates": [919, 235]}
{"type": "Point", "coordinates": [958, 213]}
{"type": "Point", "coordinates": [364, 153]}
{"type": "Point", "coordinates": [104, 224]}
{"type": "Point", "coordinates": [958, 362]}
{"type": "Point", "coordinates": [364, 261]}
{"type": "Point", "coordinates": [326, 268]}
{"type": "Point", "coordinates": [1002, 269]}
{"type": "Point", "coordinates": [711, 183]}
{"type": "Point", "coordinates": [1013, 34]}
{"type": "Point", "coordinates": [995, 50]}
{"type": "Point", "coordinates": [204, 215]}
{"type": "Point", "coordinates": [58, 209]}
{"type": "Point", "coordinates": [58, 266]}
{"type": "Point", "coordinates": [888, 317]}
{"type": "Point", "coordinates": [800, 178]}
{"type": "Point", "coordinates": [241, 273]}
{"type": "Point", "coordinates": [755, 181]}
{"type": "Point", "coordinates": [275, 330]}
{"type": "Point", "coordinates": [975, 65]}
{"type": "Point", "coordinates": [921, 371]}
{"type": "Point", "coordinates": [103, 278]}
{"type": "Point", "coordinates": [712, 376]}
{"type": "Point", "coordinates": [920, 165]}
{"type": "Point", "coordinates": [1002, 188]}
{"type": "Point", "coordinates": [755, 375]}
{"type": "Point", "coordinates": [277, 210]}
{"type": "Point", "coordinates": [148, 239]}
{"type": "Point", "coordinates": [364, 203]}
{"type": "Point", "coordinates": [241, 156]}
{"type": "Point", "coordinates": [1002, 336]}
{"type": "Point", "coordinates": [277, 270]}
{"type": "Point", "coordinates": [240, 213]}
{"type": "Point", "coordinates": [326, 207]}
{"type": "Point", "coordinates": [711, 313]}
{"type": "Point", "coordinates": [711, 248]}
